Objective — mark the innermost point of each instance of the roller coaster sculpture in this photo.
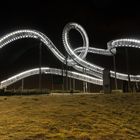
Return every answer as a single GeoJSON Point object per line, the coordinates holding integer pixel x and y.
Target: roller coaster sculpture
{"type": "Point", "coordinates": [93, 73]}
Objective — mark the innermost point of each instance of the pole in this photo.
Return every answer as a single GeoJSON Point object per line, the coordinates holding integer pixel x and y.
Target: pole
{"type": "Point", "coordinates": [70, 81]}
{"type": "Point", "coordinates": [66, 74]}
{"type": "Point", "coordinates": [52, 81]}
{"type": "Point", "coordinates": [127, 67]}
{"type": "Point", "coordinates": [84, 84]}
{"type": "Point", "coordinates": [22, 85]}
{"type": "Point", "coordinates": [62, 77]}
{"type": "Point", "coordinates": [114, 62]}
{"type": "Point", "coordinates": [73, 84]}
{"type": "Point", "coordinates": [89, 87]}
{"type": "Point", "coordinates": [40, 60]}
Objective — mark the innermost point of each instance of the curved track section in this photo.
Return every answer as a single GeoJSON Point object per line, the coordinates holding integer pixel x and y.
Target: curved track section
{"type": "Point", "coordinates": [130, 43]}
{"type": "Point", "coordinates": [20, 34]}
{"type": "Point", "coordinates": [47, 70]}
{"type": "Point", "coordinates": [74, 60]}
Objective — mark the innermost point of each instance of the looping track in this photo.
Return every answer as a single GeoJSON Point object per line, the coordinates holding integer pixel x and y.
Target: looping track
{"type": "Point", "coordinates": [93, 73]}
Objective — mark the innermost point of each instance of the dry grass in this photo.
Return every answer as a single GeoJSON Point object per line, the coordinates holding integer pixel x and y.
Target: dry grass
{"type": "Point", "coordinates": [81, 117]}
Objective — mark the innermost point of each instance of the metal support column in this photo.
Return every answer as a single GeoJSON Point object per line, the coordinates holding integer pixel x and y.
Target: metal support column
{"type": "Point", "coordinates": [127, 67]}
{"type": "Point", "coordinates": [40, 61]}
{"type": "Point", "coordinates": [22, 85]}
{"type": "Point", "coordinates": [114, 62]}
{"type": "Point", "coordinates": [66, 74]}
{"type": "Point", "coordinates": [63, 77]}
{"type": "Point", "coordinates": [52, 81]}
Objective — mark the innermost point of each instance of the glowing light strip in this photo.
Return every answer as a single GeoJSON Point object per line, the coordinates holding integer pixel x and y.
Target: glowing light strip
{"type": "Point", "coordinates": [131, 43]}
{"type": "Point", "coordinates": [47, 70]}
{"type": "Point", "coordinates": [74, 60]}
{"type": "Point", "coordinates": [38, 35]}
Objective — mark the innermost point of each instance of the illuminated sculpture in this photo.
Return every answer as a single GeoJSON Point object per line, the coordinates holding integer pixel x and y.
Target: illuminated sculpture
{"type": "Point", "coordinates": [93, 73]}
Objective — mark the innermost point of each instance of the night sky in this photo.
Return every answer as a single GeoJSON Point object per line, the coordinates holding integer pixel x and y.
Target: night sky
{"type": "Point", "coordinates": [103, 21]}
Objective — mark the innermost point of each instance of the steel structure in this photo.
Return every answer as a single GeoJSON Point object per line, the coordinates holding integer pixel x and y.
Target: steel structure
{"type": "Point", "coordinates": [47, 70]}
{"type": "Point", "coordinates": [93, 73]}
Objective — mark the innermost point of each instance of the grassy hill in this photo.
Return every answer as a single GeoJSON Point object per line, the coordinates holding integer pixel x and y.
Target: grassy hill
{"type": "Point", "coordinates": [81, 117]}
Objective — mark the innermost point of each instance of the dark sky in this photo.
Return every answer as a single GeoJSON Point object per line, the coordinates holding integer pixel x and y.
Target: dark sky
{"type": "Point", "coordinates": [103, 20]}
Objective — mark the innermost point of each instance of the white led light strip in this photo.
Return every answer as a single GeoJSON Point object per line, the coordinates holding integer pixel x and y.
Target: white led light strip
{"type": "Point", "coordinates": [47, 70]}
{"type": "Point", "coordinates": [74, 60]}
